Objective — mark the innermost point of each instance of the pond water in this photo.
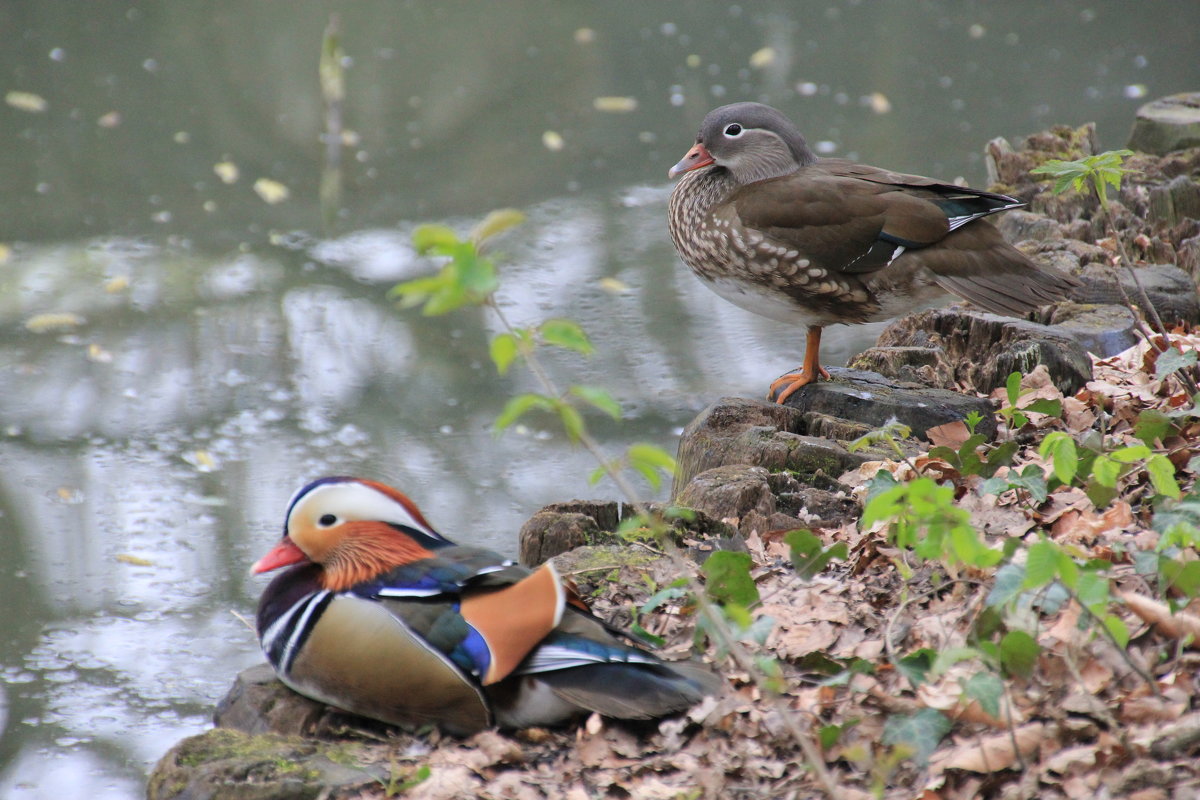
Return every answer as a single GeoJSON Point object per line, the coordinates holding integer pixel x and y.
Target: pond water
{"type": "Point", "coordinates": [210, 351]}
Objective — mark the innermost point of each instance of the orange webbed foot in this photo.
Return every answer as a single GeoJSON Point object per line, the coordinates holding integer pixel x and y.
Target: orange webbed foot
{"type": "Point", "coordinates": [792, 382]}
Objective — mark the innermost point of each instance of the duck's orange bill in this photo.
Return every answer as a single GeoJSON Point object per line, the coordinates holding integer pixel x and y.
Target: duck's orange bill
{"type": "Point", "coordinates": [283, 554]}
{"type": "Point", "coordinates": [696, 158]}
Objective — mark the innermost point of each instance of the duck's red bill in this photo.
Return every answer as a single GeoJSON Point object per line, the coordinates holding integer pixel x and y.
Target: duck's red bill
{"type": "Point", "coordinates": [284, 554]}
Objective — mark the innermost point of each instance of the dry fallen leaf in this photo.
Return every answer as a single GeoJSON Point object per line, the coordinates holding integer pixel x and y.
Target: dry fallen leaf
{"type": "Point", "coordinates": [991, 753]}
{"type": "Point", "coordinates": [1176, 626]}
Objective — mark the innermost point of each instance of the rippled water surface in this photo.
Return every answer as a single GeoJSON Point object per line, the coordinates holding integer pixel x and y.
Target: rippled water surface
{"type": "Point", "coordinates": [211, 352]}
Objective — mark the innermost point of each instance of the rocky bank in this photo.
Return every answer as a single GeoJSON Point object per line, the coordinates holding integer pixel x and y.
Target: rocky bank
{"type": "Point", "coordinates": [750, 470]}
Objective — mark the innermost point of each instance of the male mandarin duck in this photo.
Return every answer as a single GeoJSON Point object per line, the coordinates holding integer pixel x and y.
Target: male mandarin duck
{"type": "Point", "coordinates": [380, 615]}
{"type": "Point", "coordinates": [817, 241]}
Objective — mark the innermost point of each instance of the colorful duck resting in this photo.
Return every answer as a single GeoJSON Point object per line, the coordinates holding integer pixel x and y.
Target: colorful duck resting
{"type": "Point", "coordinates": [381, 616]}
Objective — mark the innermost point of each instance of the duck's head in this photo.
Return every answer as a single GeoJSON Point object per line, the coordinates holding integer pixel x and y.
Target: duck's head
{"type": "Point", "coordinates": [753, 141]}
{"type": "Point", "coordinates": [354, 529]}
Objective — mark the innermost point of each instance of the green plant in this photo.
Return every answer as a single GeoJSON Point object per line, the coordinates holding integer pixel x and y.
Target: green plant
{"type": "Point", "coordinates": [1099, 172]}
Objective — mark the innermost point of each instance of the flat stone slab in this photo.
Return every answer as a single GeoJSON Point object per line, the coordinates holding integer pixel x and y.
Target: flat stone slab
{"type": "Point", "coordinates": [873, 400]}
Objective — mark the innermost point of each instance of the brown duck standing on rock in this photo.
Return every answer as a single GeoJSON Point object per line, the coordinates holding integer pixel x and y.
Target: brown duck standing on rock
{"type": "Point", "coordinates": [774, 229]}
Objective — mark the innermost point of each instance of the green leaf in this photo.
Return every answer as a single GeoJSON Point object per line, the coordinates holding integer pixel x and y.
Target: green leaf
{"type": "Point", "coordinates": [920, 733]}
{"type": "Point", "coordinates": [1092, 591]}
{"type": "Point", "coordinates": [1012, 387]}
{"type": "Point", "coordinates": [1105, 471]}
{"type": "Point", "coordinates": [828, 736]}
{"type": "Point", "coordinates": [496, 222]}
{"type": "Point", "coordinates": [1130, 454]}
{"type": "Point", "coordinates": [599, 398]}
{"type": "Point", "coordinates": [1152, 425]}
{"type": "Point", "coordinates": [1181, 576]}
{"type": "Point", "coordinates": [1009, 582]}
{"type": "Point", "coordinates": [727, 578]}
{"type": "Point", "coordinates": [916, 665]}
{"type": "Point", "coordinates": [1172, 360]}
{"type": "Point", "coordinates": [571, 419]}
{"type": "Point", "coordinates": [987, 689]}
{"type": "Point", "coordinates": [1019, 653]}
{"type": "Point", "coordinates": [1060, 449]}
{"type": "Point", "coordinates": [1162, 475]}
{"type": "Point", "coordinates": [567, 334]}
{"type": "Point", "coordinates": [809, 555]}
{"type": "Point", "coordinates": [1044, 406]}
{"type": "Point", "coordinates": [1117, 629]}
{"type": "Point", "coordinates": [434, 239]}
{"type": "Point", "coordinates": [503, 351]}
{"type": "Point", "coordinates": [517, 406]}
{"type": "Point", "coordinates": [1032, 481]}
{"type": "Point", "coordinates": [1041, 564]}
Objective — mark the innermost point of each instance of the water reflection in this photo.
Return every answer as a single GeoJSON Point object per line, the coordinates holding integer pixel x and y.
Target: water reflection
{"type": "Point", "coordinates": [230, 350]}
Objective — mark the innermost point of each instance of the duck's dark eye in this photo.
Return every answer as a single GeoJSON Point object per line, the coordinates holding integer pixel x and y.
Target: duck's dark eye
{"type": "Point", "coordinates": [327, 520]}
{"type": "Point", "coordinates": [733, 130]}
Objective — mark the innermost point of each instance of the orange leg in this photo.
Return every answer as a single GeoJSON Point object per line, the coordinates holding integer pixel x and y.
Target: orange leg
{"type": "Point", "coordinates": [809, 372]}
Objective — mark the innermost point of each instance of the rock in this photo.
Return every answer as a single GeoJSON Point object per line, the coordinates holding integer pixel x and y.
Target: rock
{"type": "Point", "coordinates": [737, 430]}
{"type": "Point", "coordinates": [1102, 330]}
{"type": "Point", "coordinates": [983, 349]}
{"type": "Point", "coordinates": [1171, 291]}
{"type": "Point", "coordinates": [259, 703]}
{"type": "Point", "coordinates": [1175, 202]}
{"type": "Point", "coordinates": [561, 527]}
{"type": "Point", "coordinates": [924, 365]}
{"type": "Point", "coordinates": [729, 492]}
{"type": "Point", "coordinates": [1167, 124]}
{"type": "Point", "coordinates": [224, 764]}
{"type": "Point", "coordinates": [872, 399]}
{"type": "Point", "coordinates": [1020, 226]}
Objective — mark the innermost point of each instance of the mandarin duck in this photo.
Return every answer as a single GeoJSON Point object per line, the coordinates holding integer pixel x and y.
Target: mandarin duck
{"type": "Point", "coordinates": [775, 230]}
{"type": "Point", "coordinates": [382, 616]}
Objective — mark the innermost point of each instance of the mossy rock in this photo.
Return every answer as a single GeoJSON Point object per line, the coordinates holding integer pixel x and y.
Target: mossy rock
{"type": "Point", "coordinates": [231, 765]}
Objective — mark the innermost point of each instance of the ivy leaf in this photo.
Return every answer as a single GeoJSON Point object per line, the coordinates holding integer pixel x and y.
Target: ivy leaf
{"type": "Point", "coordinates": [920, 733]}
{"type": "Point", "coordinates": [567, 334]}
{"type": "Point", "coordinates": [987, 689]}
{"type": "Point", "coordinates": [1172, 360]}
{"type": "Point", "coordinates": [1018, 653]}
{"type": "Point", "coordinates": [727, 578]}
{"type": "Point", "coordinates": [916, 665]}
{"type": "Point", "coordinates": [809, 555]}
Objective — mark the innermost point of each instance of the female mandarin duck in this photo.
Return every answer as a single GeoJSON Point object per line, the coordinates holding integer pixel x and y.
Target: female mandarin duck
{"type": "Point", "coordinates": [381, 616]}
{"type": "Point", "coordinates": [817, 241]}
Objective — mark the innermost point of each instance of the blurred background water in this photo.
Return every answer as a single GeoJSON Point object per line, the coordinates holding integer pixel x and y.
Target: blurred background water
{"type": "Point", "coordinates": [207, 351]}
